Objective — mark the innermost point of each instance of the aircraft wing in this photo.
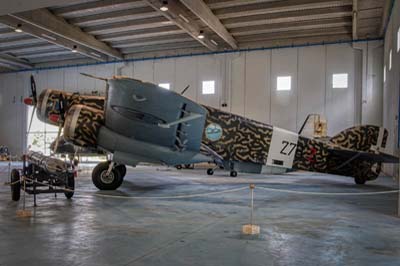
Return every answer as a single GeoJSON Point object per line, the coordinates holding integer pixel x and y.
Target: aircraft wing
{"type": "Point", "coordinates": [366, 156]}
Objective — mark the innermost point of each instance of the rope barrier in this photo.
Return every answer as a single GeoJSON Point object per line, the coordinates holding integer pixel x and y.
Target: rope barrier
{"type": "Point", "coordinates": [216, 192]}
{"type": "Point", "coordinates": [329, 193]}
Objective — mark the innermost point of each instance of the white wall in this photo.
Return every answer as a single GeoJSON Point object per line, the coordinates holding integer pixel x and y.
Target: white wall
{"type": "Point", "coordinates": [392, 84]}
{"type": "Point", "coordinates": [246, 81]}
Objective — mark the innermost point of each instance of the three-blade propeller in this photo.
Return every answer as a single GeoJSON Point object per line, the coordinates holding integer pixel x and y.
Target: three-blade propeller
{"type": "Point", "coordinates": [32, 100]}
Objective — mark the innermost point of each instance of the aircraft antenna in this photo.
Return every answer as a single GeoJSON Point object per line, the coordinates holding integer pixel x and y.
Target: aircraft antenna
{"type": "Point", "coordinates": [185, 89]}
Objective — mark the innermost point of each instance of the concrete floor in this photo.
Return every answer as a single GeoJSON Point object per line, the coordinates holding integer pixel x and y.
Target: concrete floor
{"type": "Point", "coordinates": [295, 229]}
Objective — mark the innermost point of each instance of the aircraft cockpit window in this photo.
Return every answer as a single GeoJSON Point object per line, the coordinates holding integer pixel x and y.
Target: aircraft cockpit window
{"type": "Point", "coordinates": [164, 85]}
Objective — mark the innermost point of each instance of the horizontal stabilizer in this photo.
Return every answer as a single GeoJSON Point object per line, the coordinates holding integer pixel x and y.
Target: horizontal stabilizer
{"type": "Point", "coordinates": [365, 156]}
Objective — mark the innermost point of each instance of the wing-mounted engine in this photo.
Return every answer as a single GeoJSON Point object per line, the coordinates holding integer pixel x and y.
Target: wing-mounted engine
{"type": "Point", "coordinates": [82, 124]}
{"type": "Point", "coordinates": [150, 114]}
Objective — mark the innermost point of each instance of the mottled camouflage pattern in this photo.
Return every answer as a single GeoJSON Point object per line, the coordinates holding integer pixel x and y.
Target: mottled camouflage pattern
{"type": "Point", "coordinates": [71, 99]}
{"type": "Point", "coordinates": [246, 140]}
{"type": "Point", "coordinates": [360, 138]}
{"type": "Point", "coordinates": [84, 132]}
{"type": "Point", "coordinates": [242, 139]}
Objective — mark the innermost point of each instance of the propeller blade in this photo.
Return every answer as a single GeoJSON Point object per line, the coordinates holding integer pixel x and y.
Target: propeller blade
{"type": "Point", "coordinates": [33, 90]}
{"type": "Point", "coordinates": [62, 103]}
{"type": "Point", "coordinates": [30, 122]}
{"type": "Point", "coordinates": [58, 138]}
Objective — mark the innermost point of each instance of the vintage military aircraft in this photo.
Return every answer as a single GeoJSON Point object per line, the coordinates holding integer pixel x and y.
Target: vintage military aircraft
{"type": "Point", "coordinates": [142, 122]}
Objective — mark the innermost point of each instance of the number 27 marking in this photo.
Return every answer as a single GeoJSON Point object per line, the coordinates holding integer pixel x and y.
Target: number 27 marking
{"type": "Point", "coordinates": [288, 147]}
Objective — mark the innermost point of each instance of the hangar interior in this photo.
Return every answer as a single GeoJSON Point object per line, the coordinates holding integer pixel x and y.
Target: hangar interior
{"type": "Point", "coordinates": [273, 61]}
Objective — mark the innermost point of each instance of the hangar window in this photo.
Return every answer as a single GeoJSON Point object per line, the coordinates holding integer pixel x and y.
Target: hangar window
{"type": "Point", "coordinates": [284, 83]}
{"type": "Point", "coordinates": [164, 85]}
{"type": "Point", "coordinates": [390, 59]}
{"type": "Point", "coordinates": [398, 39]}
{"type": "Point", "coordinates": [340, 81]}
{"type": "Point", "coordinates": [208, 87]}
{"type": "Point", "coordinates": [384, 73]}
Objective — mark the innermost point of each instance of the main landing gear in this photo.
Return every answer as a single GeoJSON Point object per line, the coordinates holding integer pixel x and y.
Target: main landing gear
{"type": "Point", "coordinates": [108, 175]}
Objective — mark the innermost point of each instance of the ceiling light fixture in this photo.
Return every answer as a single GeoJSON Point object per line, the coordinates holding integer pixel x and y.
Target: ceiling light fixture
{"type": "Point", "coordinates": [74, 49]}
{"type": "Point", "coordinates": [201, 35]}
{"type": "Point", "coordinates": [18, 28]}
{"type": "Point", "coordinates": [164, 6]}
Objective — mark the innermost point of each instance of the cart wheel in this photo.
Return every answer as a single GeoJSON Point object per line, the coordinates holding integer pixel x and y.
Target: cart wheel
{"type": "Point", "coordinates": [210, 171]}
{"type": "Point", "coordinates": [70, 184]}
{"type": "Point", "coordinates": [121, 169]}
{"type": "Point", "coordinates": [15, 188]}
{"type": "Point", "coordinates": [233, 174]}
{"type": "Point", "coordinates": [103, 181]}
{"type": "Point", "coordinates": [179, 167]}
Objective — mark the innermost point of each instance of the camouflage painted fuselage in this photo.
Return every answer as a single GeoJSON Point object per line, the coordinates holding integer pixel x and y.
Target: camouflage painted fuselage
{"type": "Point", "coordinates": [246, 140]}
{"type": "Point", "coordinates": [241, 139]}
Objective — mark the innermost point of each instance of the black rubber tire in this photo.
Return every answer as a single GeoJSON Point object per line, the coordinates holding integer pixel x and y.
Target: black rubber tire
{"type": "Point", "coordinates": [359, 180]}
{"type": "Point", "coordinates": [70, 184]}
{"type": "Point", "coordinates": [210, 171]}
{"type": "Point", "coordinates": [15, 188]}
{"type": "Point", "coordinates": [122, 170]}
{"type": "Point", "coordinates": [188, 166]}
{"type": "Point", "coordinates": [100, 169]}
{"type": "Point", "coordinates": [233, 174]}
{"type": "Point", "coordinates": [179, 167]}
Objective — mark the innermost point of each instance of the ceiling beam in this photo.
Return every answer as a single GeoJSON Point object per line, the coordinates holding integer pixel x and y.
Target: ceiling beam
{"type": "Point", "coordinates": [177, 14]}
{"type": "Point", "coordinates": [50, 37]}
{"type": "Point", "coordinates": [43, 21]}
{"type": "Point", "coordinates": [14, 62]}
{"type": "Point", "coordinates": [289, 26]}
{"type": "Point", "coordinates": [202, 11]}
{"type": "Point", "coordinates": [278, 7]}
{"type": "Point", "coordinates": [114, 16]}
{"type": "Point", "coordinates": [96, 7]}
{"type": "Point", "coordinates": [292, 16]}
{"type": "Point", "coordinates": [142, 33]}
{"type": "Point", "coordinates": [355, 18]}
{"type": "Point", "coordinates": [16, 6]}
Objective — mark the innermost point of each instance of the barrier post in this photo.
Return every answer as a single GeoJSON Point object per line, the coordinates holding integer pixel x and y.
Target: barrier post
{"type": "Point", "coordinates": [251, 228]}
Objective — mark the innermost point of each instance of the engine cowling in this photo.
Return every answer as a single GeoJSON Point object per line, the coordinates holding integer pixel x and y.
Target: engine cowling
{"type": "Point", "coordinates": [82, 124]}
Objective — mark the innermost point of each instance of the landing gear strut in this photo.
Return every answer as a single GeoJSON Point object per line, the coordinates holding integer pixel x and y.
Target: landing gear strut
{"type": "Point", "coordinates": [105, 178]}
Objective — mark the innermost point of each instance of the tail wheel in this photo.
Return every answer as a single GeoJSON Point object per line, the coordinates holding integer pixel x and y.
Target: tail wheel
{"type": "Point", "coordinates": [106, 181]}
{"type": "Point", "coordinates": [69, 184]}
{"type": "Point", "coordinates": [359, 180]}
{"type": "Point", "coordinates": [121, 169]}
{"type": "Point", "coordinates": [210, 171]}
{"type": "Point", "coordinates": [15, 185]}
{"type": "Point", "coordinates": [233, 174]}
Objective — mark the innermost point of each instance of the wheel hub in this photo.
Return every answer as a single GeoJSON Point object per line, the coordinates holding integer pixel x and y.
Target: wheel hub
{"type": "Point", "coordinates": [107, 178]}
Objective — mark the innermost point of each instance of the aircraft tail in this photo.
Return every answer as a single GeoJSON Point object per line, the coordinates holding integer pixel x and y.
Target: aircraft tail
{"type": "Point", "coordinates": [356, 152]}
{"type": "Point", "coordinates": [364, 138]}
